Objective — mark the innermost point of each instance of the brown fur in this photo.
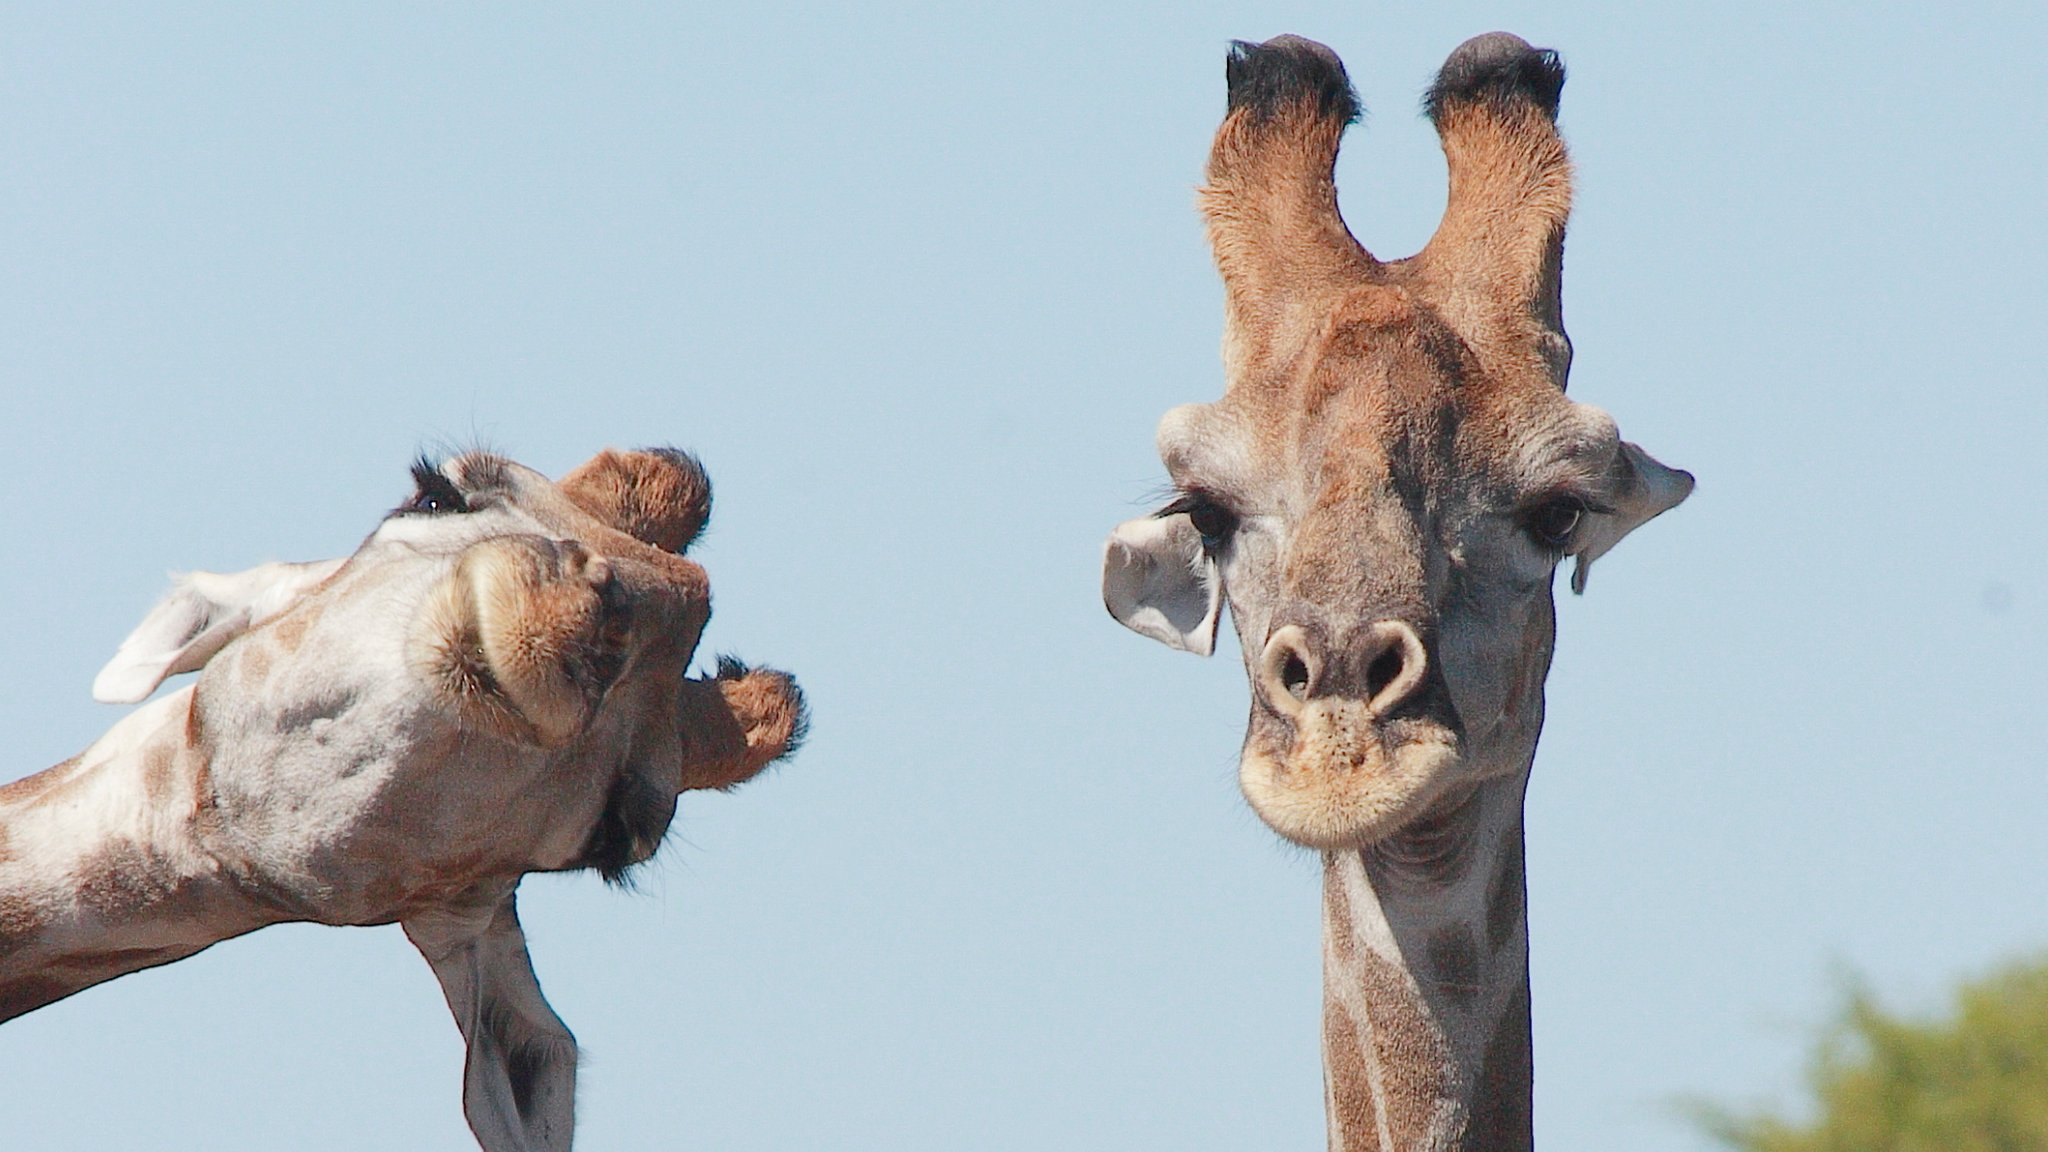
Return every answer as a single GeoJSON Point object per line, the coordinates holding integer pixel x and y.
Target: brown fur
{"type": "Point", "coordinates": [290, 630]}
{"type": "Point", "coordinates": [1495, 274]}
{"type": "Point", "coordinates": [738, 724]}
{"type": "Point", "coordinates": [584, 510]}
{"type": "Point", "coordinates": [1374, 498]}
{"type": "Point", "coordinates": [1502, 1112]}
{"type": "Point", "coordinates": [1507, 897]}
{"type": "Point", "coordinates": [523, 637]}
{"type": "Point", "coordinates": [254, 666]}
{"type": "Point", "coordinates": [1392, 387]}
{"type": "Point", "coordinates": [1271, 205]}
{"type": "Point", "coordinates": [659, 498]}
{"type": "Point", "coordinates": [121, 879]}
{"type": "Point", "coordinates": [32, 787]}
{"type": "Point", "coordinates": [21, 918]}
{"type": "Point", "coordinates": [26, 995]}
{"type": "Point", "coordinates": [1353, 1121]}
{"type": "Point", "coordinates": [1491, 272]}
{"type": "Point", "coordinates": [1388, 1060]}
{"type": "Point", "coordinates": [1442, 1051]}
{"type": "Point", "coordinates": [1415, 1056]}
{"type": "Point", "coordinates": [159, 768]}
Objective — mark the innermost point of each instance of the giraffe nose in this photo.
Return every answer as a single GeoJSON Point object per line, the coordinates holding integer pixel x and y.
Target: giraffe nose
{"type": "Point", "coordinates": [1391, 653]}
{"type": "Point", "coordinates": [1288, 670]}
{"type": "Point", "coordinates": [1395, 662]}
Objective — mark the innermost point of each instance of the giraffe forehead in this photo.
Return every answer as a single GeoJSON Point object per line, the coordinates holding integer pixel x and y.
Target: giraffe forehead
{"type": "Point", "coordinates": [557, 508]}
{"type": "Point", "coordinates": [1430, 441]}
{"type": "Point", "coordinates": [1348, 445]}
{"type": "Point", "coordinates": [1385, 384]}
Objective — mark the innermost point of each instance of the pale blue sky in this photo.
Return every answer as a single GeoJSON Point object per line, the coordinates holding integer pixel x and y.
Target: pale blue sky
{"type": "Point", "coordinates": [917, 281]}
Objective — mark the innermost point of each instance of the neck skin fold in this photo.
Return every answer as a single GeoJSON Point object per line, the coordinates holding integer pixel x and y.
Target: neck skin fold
{"type": "Point", "coordinates": [102, 871]}
{"type": "Point", "coordinates": [1426, 1041]}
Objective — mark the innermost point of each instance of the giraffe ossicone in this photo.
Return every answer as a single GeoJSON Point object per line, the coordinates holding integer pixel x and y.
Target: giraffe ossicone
{"type": "Point", "coordinates": [1381, 498]}
{"type": "Point", "coordinates": [494, 683]}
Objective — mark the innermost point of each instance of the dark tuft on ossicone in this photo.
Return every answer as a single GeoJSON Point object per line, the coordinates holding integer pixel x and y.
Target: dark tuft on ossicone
{"type": "Point", "coordinates": [1267, 79]}
{"type": "Point", "coordinates": [731, 667]}
{"type": "Point", "coordinates": [660, 496]}
{"type": "Point", "coordinates": [691, 471]}
{"type": "Point", "coordinates": [1498, 68]}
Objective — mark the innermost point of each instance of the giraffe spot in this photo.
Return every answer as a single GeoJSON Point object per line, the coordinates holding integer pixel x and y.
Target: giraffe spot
{"type": "Point", "coordinates": [195, 726]}
{"type": "Point", "coordinates": [1505, 900]}
{"type": "Point", "coordinates": [1500, 1113]}
{"type": "Point", "coordinates": [159, 774]}
{"type": "Point", "coordinates": [30, 993]}
{"type": "Point", "coordinates": [20, 919]}
{"type": "Point", "coordinates": [1414, 1055]}
{"type": "Point", "coordinates": [121, 878]}
{"type": "Point", "coordinates": [290, 632]}
{"type": "Point", "coordinates": [29, 788]}
{"type": "Point", "coordinates": [254, 667]}
{"type": "Point", "coordinates": [1453, 958]}
{"type": "Point", "coordinates": [1353, 1122]}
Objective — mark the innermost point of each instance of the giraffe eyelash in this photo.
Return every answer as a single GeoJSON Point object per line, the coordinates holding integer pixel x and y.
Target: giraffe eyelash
{"type": "Point", "coordinates": [1214, 519]}
{"type": "Point", "coordinates": [434, 494]}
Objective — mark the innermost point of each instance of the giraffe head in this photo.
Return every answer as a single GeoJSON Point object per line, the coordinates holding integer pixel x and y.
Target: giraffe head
{"type": "Point", "coordinates": [493, 683]}
{"type": "Point", "coordinates": [1385, 490]}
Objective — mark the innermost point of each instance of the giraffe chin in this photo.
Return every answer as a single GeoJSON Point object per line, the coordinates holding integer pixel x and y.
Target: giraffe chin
{"type": "Point", "coordinates": [1347, 780]}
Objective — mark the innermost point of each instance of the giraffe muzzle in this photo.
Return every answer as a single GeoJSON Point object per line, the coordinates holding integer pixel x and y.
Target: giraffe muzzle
{"type": "Point", "coordinates": [1352, 738]}
{"type": "Point", "coordinates": [530, 633]}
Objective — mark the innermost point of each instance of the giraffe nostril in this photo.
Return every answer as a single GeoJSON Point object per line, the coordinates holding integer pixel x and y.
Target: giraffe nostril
{"type": "Point", "coordinates": [1294, 676]}
{"type": "Point", "coordinates": [1384, 669]}
{"type": "Point", "coordinates": [1396, 672]}
{"type": "Point", "coordinates": [1287, 670]}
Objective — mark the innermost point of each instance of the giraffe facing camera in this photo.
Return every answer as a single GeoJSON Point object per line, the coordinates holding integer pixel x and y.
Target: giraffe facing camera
{"type": "Point", "coordinates": [1381, 498]}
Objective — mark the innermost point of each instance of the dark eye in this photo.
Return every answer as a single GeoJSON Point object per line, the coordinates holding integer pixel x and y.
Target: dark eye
{"type": "Point", "coordinates": [1215, 522]}
{"type": "Point", "coordinates": [434, 493]}
{"type": "Point", "coordinates": [1552, 522]}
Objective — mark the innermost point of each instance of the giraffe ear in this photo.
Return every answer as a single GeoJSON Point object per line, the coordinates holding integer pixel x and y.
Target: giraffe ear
{"type": "Point", "coordinates": [1640, 489]}
{"type": "Point", "coordinates": [1159, 581]}
{"type": "Point", "coordinates": [202, 612]}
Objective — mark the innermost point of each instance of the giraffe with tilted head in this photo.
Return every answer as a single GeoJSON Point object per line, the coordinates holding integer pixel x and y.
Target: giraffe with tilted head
{"type": "Point", "coordinates": [1381, 498]}
{"type": "Point", "coordinates": [493, 684]}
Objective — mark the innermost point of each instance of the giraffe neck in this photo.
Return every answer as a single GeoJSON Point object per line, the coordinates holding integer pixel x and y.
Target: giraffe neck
{"type": "Point", "coordinates": [102, 870]}
{"type": "Point", "coordinates": [1426, 984]}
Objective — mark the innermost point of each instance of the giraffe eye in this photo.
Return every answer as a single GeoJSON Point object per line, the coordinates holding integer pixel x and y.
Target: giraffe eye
{"type": "Point", "coordinates": [434, 494]}
{"type": "Point", "coordinates": [1215, 522]}
{"type": "Point", "coordinates": [1552, 522]}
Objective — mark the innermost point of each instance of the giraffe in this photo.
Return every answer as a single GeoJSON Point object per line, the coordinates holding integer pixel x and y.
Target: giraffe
{"type": "Point", "coordinates": [1381, 498]}
{"type": "Point", "coordinates": [494, 683]}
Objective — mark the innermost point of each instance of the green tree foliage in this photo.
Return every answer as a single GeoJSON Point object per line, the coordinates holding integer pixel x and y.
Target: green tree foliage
{"type": "Point", "coordinates": [1974, 1080]}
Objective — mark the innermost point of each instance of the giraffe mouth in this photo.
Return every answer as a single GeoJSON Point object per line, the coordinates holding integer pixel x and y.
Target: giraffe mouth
{"type": "Point", "coordinates": [1343, 778]}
